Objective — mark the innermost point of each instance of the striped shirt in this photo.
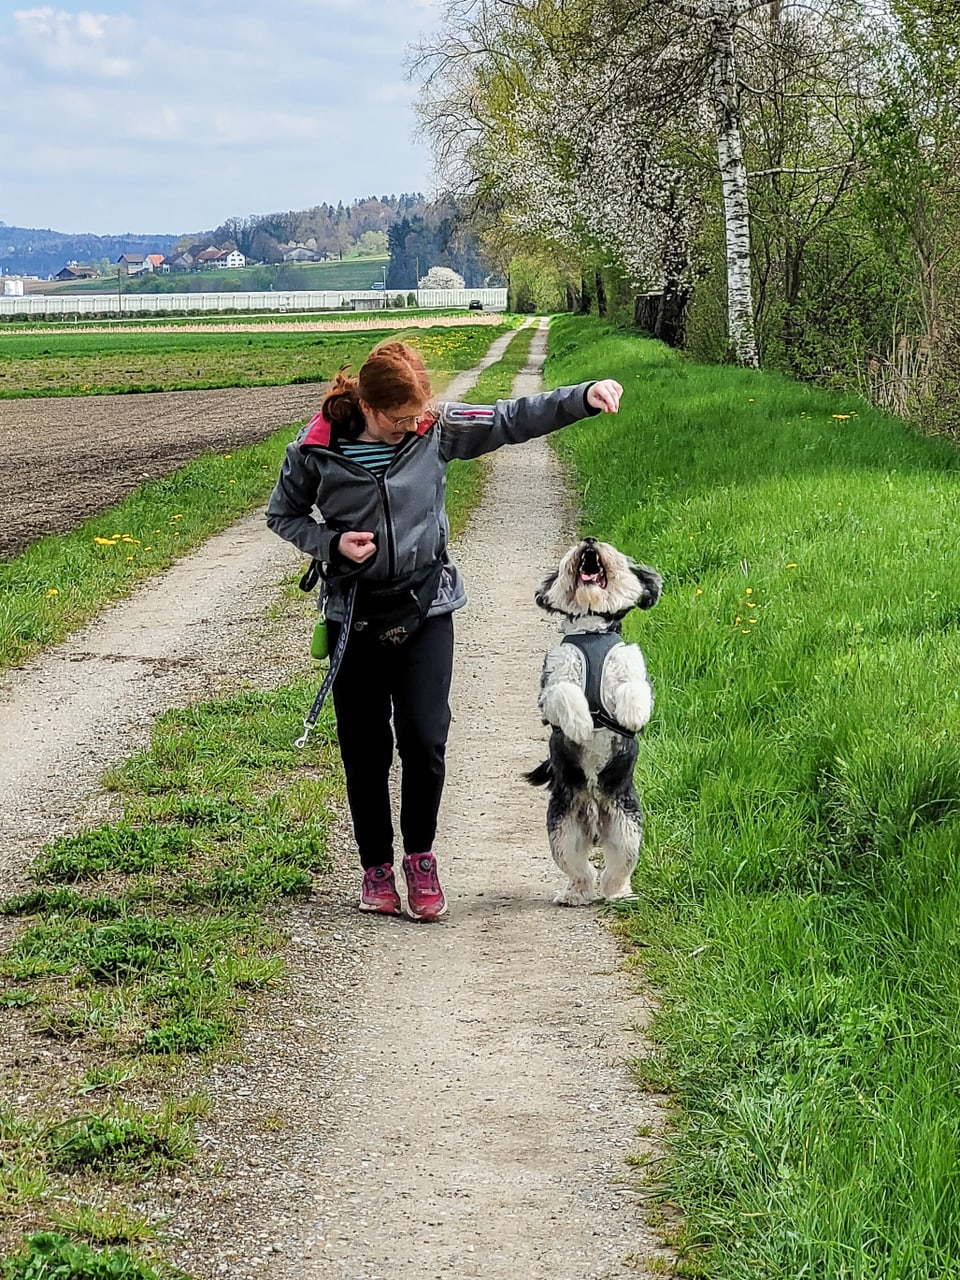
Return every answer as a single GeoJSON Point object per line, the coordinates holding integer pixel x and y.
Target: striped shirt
{"type": "Point", "coordinates": [372, 454]}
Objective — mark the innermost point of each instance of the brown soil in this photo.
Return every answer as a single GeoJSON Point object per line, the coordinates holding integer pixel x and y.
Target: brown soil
{"type": "Point", "coordinates": [64, 459]}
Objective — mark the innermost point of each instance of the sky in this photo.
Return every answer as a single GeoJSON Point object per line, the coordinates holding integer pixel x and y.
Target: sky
{"type": "Point", "coordinates": [172, 115]}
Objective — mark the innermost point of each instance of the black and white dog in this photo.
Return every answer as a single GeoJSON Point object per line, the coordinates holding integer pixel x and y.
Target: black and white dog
{"type": "Point", "coordinates": [595, 693]}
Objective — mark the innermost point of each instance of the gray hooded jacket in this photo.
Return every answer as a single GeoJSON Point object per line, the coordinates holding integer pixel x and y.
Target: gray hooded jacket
{"type": "Point", "coordinates": [404, 509]}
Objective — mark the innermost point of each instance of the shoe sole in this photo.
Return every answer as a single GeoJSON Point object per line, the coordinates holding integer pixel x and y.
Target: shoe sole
{"type": "Point", "coordinates": [425, 919]}
{"type": "Point", "coordinates": [380, 911]}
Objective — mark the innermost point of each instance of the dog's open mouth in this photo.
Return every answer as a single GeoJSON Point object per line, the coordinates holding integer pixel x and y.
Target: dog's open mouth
{"type": "Point", "coordinates": [590, 570]}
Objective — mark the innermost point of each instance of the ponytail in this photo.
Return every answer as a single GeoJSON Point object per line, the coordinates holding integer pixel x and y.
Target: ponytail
{"type": "Point", "coordinates": [341, 405]}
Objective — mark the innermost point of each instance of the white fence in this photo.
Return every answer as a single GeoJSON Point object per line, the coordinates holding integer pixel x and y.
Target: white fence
{"type": "Point", "coordinates": [113, 304]}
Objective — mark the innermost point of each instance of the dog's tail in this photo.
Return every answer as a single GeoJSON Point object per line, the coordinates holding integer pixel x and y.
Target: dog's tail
{"type": "Point", "coordinates": [541, 776]}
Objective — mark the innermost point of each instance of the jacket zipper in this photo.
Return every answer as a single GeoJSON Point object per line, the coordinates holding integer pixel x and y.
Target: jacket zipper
{"type": "Point", "coordinates": [388, 522]}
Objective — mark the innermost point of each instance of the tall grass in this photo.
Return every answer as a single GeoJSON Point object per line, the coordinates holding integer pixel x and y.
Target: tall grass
{"type": "Point", "coordinates": [799, 896]}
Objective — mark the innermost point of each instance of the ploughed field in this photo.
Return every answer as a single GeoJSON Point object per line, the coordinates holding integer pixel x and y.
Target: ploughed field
{"type": "Point", "coordinates": [66, 458]}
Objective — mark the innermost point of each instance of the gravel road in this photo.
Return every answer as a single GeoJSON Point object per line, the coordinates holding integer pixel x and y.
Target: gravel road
{"type": "Point", "coordinates": [448, 1100]}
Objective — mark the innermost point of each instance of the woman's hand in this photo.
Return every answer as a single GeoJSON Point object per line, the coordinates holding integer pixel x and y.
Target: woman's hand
{"type": "Point", "coordinates": [358, 547]}
{"type": "Point", "coordinates": [605, 395]}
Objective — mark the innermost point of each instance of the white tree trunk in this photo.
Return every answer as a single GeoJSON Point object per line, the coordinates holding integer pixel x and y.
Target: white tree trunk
{"type": "Point", "coordinates": [733, 175]}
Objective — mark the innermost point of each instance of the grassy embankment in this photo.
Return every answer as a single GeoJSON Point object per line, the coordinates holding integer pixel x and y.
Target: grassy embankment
{"type": "Point", "coordinates": [73, 364]}
{"type": "Point", "coordinates": [799, 890]}
{"type": "Point", "coordinates": [144, 940]}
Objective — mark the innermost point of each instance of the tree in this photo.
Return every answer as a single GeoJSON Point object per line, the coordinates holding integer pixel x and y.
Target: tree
{"type": "Point", "coordinates": [441, 278]}
{"type": "Point", "coordinates": [372, 244]}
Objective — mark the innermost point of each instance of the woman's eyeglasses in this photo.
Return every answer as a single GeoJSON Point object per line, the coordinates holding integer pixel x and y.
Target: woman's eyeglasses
{"type": "Point", "coordinates": [411, 419]}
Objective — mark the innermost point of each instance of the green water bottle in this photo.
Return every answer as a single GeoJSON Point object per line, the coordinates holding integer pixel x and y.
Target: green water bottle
{"type": "Point", "coordinates": [320, 644]}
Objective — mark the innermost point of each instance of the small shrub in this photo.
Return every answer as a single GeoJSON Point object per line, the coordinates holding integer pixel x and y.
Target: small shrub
{"type": "Point", "coordinates": [118, 1143]}
{"type": "Point", "coordinates": [50, 1256]}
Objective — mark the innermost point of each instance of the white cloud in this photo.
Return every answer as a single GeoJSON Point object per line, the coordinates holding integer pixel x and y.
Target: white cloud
{"type": "Point", "coordinates": [178, 113]}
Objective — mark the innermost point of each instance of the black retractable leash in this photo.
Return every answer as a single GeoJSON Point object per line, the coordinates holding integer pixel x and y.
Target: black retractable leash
{"type": "Point", "coordinates": [335, 659]}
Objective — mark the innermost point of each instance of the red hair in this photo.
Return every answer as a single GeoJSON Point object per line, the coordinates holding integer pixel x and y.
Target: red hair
{"type": "Point", "coordinates": [392, 375]}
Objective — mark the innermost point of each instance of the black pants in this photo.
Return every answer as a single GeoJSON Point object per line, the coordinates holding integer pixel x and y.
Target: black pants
{"type": "Point", "coordinates": [412, 680]}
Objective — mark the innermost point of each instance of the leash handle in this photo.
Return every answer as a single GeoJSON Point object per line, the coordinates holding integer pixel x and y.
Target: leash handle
{"type": "Point", "coordinates": [336, 658]}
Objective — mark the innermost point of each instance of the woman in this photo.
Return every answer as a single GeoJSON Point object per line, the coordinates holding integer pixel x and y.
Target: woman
{"type": "Point", "coordinates": [373, 463]}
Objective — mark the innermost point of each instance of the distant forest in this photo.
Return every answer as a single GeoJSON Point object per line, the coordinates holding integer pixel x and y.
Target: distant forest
{"type": "Point", "coordinates": [420, 234]}
{"type": "Point", "coordinates": [28, 251]}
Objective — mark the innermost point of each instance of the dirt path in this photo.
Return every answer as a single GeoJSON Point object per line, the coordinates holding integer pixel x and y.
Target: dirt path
{"type": "Point", "coordinates": [419, 1101]}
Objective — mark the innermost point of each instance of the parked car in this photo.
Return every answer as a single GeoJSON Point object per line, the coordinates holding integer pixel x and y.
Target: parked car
{"type": "Point", "coordinates": [475, 305]}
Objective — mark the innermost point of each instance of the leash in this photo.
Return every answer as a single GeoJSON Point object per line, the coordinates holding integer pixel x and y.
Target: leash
{"type": "Point", "coordinates": [335, 660]}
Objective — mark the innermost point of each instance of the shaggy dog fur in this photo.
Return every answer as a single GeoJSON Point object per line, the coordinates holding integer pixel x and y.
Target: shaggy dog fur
{"type": "Point", "coordinates": [590, 769]}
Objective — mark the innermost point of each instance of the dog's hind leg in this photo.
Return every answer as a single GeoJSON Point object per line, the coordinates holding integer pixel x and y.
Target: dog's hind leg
{"type": "Point", "coordinates": [571, 847]}
{"type": "Point", "coordinates": [621, 830]}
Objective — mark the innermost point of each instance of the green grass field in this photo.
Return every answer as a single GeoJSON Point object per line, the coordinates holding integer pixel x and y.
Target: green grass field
{"type": "Point", "coordinates": [62, 364]}
{"type": "Point", "coordinates": [799, 889]}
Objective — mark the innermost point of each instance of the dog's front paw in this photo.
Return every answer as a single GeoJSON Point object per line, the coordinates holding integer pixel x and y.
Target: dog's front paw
{"type": "Point", "coordinates": [634, 707]}
{"type": "Point", "coordinates": [577, 725]}
{"type": "Point", "coordinates": [575, 896]}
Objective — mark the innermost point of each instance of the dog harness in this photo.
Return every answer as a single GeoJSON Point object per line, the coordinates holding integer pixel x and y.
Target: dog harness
{"type": "Point", "coordinates": [595, 646]}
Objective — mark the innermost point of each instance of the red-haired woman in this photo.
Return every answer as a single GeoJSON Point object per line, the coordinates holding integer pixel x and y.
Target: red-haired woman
{"type": "Point", "coordinates": [373, 464]}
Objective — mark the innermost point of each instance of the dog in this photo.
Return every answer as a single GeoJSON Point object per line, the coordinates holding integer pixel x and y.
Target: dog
{"type": "Point", "coordinates": [595, 694]}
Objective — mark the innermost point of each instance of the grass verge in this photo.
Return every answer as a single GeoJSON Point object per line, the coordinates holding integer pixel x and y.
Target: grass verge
{"type": "Point", "coordinates": [799, 889]}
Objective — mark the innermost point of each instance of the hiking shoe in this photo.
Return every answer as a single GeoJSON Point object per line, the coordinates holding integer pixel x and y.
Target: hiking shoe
{"type": "Point", "coordinates": [425, 900]}
{"type": "Point", "coordinates": [379, 892]}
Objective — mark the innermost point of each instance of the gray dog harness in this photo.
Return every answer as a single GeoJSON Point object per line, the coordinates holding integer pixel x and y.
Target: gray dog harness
{"type": "Point", "coordinates": [595, 646]}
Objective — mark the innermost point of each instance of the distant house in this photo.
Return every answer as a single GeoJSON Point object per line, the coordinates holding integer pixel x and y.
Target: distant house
{"type": "Point", "coordinates": [300, 254]}
{"type": "Point", "coordinates": [76, 271]}
{"type": "Point", "coordinates": [231, 258]}
{"type": "Point", "coordinates": [132, 264]}
{"type": "Point", "coordinates": [207, 258]}
{"type": "Point", "coordinates": [155, 261]}
{"type": "Point", "coordinates": [180, 262]}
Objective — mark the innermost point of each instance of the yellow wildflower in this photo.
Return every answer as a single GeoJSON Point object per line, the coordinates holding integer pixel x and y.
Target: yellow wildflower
{"type": "Point", "coordinates": [52, 592]}
{"type": "Point", "coordinates": [749, 591]}
{"type": "Point", "coordinates": [791, 566]}
{"type": "Point", "coordinates": [105, 542]}
{"type": "Point", "coordinates": [841, 417]}
{"type": "Point", "coordinates": [699, 591]}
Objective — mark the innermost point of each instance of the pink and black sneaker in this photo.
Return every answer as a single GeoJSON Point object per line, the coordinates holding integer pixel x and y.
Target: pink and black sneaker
{"type": "Point", "coordinates": [425, 900]}
{"type": "Point", "coordinates": [379, 891]}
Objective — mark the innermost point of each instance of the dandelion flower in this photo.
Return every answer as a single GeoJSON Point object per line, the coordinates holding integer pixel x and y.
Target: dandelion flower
{"type": "Point", "coordinates": [841, 417]}
{"type": "Point", "coordinates": [751, 619]}
{"type": "Point", "coordinates": [105, 542]}
{"type": "Point", "coordinates": [791, 566]}
{"type": "Point", "coordinates": [52, 592]}
{"type": "Point", "coordinates": [699, 591]}
{"type": "Point", "coordinates": [738, 619]}
{"type": "Point", "coordinates": [148, 548]}
{"type": "Point", "coordinates": [749, 591]}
